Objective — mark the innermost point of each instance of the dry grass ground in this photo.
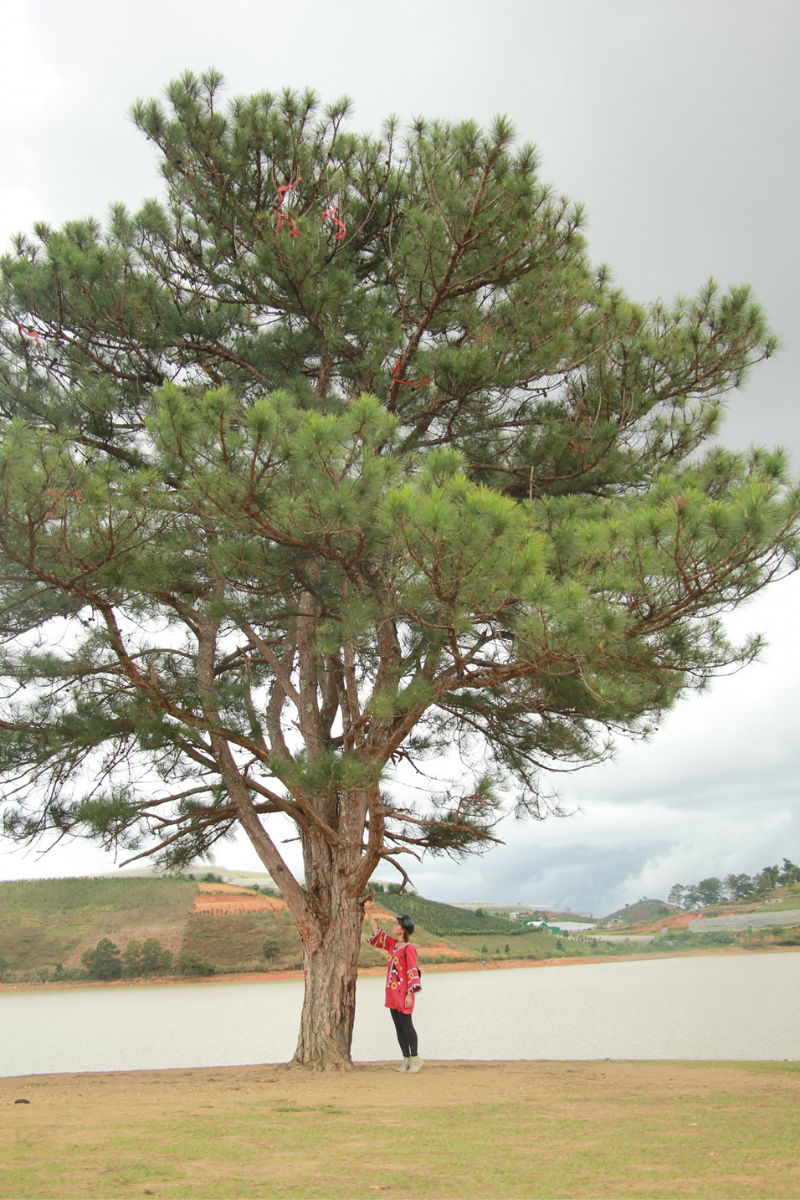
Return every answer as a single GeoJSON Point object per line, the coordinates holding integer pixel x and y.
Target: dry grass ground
{"type": "Point", "coordinates": [520, 1129]}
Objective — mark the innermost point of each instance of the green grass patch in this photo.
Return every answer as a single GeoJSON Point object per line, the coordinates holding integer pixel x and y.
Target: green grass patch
{"type": "Point", "coordinates": [640, 1133]}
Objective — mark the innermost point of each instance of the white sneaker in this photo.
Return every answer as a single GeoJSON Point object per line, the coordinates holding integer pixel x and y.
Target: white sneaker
{"type": "Point", "coordinates": [414, 1065]}
{"type": "Point", "coordinates": [406, 1066]}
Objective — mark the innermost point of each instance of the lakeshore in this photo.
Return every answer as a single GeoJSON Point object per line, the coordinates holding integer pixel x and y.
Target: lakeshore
{"type": "Point", "coordinates": [491, 1129]}
{"type": "Point", "coordinates": [366, 972]}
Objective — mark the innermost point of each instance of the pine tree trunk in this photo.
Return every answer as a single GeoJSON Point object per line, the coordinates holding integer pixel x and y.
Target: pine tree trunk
{"type": "Point", "coordinates": [329, 1006]}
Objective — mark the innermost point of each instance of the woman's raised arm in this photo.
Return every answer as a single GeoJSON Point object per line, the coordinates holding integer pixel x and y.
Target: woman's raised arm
{"type": "Point", "coordinates": [370, 914]}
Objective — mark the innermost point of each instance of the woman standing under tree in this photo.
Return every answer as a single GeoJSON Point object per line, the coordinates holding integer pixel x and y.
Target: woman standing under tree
{"type": "Point", "coordinates": [402, 982]}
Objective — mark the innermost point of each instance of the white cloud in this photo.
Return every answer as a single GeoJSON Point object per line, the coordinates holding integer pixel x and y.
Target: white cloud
{"type": "Point", "coordinates": [31, 83]}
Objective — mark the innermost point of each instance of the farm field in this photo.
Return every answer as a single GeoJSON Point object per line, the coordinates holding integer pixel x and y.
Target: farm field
{"type": "Point", "coordinates": [521, 1129]}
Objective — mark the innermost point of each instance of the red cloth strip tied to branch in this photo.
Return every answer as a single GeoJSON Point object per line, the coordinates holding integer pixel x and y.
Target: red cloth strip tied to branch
{"type": "Point", "coordinates": [287, 187]}
{"type": "Point", "coordinates": [29, 335]}
{"type": "Point", "coordinates": [407, 382]}
{"type": "Point", "coordinates": [330, 215]}
{"type": "Point", "coordinates": [284, 217]}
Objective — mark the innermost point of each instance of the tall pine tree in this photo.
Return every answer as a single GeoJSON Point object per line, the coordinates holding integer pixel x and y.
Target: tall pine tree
{"type": "Point", "coordinates": [344, 454]}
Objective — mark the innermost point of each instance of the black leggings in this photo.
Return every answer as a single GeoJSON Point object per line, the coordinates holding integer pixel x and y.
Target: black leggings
{"type": "Point", "coordinates": [406, 1033]}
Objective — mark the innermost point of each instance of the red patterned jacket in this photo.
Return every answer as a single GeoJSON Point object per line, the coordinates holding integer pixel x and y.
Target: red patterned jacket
{"type": "Point", "coordinates": [402, 973]}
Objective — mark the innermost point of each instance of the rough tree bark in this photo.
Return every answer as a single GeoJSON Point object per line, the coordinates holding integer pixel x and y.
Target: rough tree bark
{"type": "Point", "coordinates": [330, 963]}
{"type": "Point", "coordinates": [330, 925]}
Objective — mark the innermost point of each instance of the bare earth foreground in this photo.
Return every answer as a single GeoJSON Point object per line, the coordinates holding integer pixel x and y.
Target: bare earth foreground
{"type": "Point", "coordinates": [513, 1129]}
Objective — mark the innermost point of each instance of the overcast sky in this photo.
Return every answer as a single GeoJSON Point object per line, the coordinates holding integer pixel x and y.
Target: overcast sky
{"type": "Point", "coordinates": [677, 124]}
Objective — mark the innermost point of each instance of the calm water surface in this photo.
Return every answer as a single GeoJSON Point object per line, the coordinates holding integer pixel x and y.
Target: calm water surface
{"type": "Point", "coordinates": [740, 1007]}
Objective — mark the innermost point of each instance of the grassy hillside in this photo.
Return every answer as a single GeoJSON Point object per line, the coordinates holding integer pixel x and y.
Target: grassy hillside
{"type": "Point", "coordinates": [235, 942]}
{"type": "Point", "coordinates": [446, 921]}
{"type": "Point", "coordinates": [643, 910]}
{"type": "Point", "coordinates": [45, 922]}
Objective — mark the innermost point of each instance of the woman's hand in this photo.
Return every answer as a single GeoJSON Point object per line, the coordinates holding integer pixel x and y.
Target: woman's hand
{"type": "Point", "coordinates": [371, 915]}
{"type": "Point", "coordinates": [409, 1000]}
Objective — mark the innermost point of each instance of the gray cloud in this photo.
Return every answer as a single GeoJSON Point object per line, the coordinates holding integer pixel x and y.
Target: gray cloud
{"type": "Point", "coordinates": [573, 875]}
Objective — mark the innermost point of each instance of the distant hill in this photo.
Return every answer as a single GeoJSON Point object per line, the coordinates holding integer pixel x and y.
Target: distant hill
{"type": "Point", "coordinates": [643, 910]}
{"type": "Point", "coordinates": [195, 871]}
{"type": "Point", "coordinates": [445, 919]}
{"type": "Point", "coordinates": [46, 922]}
{"type": "Point", "coordinates": [648, 916]}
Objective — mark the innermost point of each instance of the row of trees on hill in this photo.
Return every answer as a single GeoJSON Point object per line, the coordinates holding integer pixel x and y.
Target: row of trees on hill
{"type": "Point", "coordinates": [734, 887]}
{"type": "Point", "coordinates": [107, 961]}
{"type": "Point", "coordinates": [148, 958]}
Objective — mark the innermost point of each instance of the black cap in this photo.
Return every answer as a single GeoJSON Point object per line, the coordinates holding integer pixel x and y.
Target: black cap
{"type": "Point", "coordinates": [406, 922]}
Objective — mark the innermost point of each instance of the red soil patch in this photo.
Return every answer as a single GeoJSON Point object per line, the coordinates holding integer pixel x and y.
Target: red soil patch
{"type": "Point", "coordinates": [440, 950]}
{"type": "Point", "coordinates": [217, 899]}
{"type": "Point", "coordinates": [685, 918]}
{"type": "Point", "coordinates": [678, 922]}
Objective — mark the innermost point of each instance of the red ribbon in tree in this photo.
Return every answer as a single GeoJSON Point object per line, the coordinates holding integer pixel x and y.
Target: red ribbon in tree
{"type": "Point", "coordinates": [287, 187]}
{"type": "Point", "coordinates": [407, 382]}
{"type": "Point", "coordinates": [330, 215]}
{"type": "Point", "coordinates": [283, 217]}
{"type": "Point", "coordinates": [29, 335]}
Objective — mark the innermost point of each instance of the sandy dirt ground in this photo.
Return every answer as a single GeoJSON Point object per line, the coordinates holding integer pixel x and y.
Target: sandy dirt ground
{"type": "Point", "coordinates": [553, 1084]}
{"type": "Point", "coordinates": [502, 1129]}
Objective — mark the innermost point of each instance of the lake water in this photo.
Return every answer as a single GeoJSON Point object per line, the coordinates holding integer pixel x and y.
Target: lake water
{"type": "Point", "coordinates": [737, 1007]}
